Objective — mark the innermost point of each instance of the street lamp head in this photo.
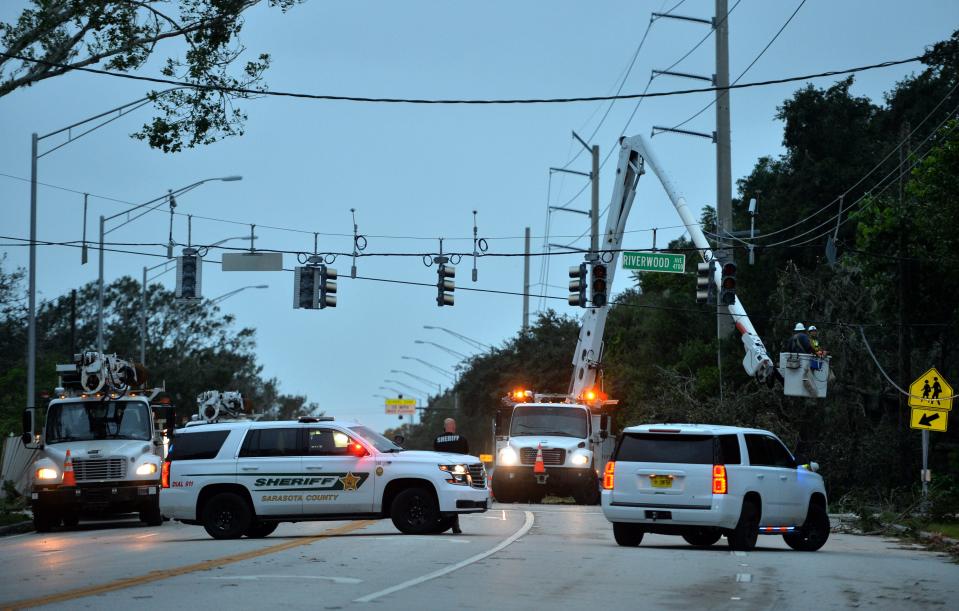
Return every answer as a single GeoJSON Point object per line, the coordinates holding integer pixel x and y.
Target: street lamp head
{"type": "Point", "coordinates": [418, 341]}
{"type": "Point", "coordinates": [262, 286]}
{"type": "Point", "coordinates": [231, 178]}
{"type": "Point", "coordinates": [428, 327]}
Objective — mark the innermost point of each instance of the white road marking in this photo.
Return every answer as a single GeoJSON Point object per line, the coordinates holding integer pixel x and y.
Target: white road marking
{"type": "Point", "coordinates": [734, 598]}
{"type": "Point", "coordinates": [433, 539]}
{"type": "Point", "coordinates": [453, 567]}
{"type": "Point", "coordinates": [346, 580]}
{"type": "Point", "coordinates": [738, 553]}
{"type": "Point", "coordinates": [744, 577]}
{"type": "Point", "coordinates": [504, 515]}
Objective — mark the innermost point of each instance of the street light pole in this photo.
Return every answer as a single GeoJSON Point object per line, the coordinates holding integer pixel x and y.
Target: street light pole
{"type": "Point", "coordinates": [431, 366]}
{"type": "Point", "coordinates": [439, 388]}
{"type": "Point", "coordinates": [443, 348]}
{"type": "Point", "coordinates": [239, 290]}
{"type": "Point", "coordinates": [104, 219]}
{"type": "Point", "coordinates": [475, 343]}
{"type": "Point", "coordinates": [35, 155]}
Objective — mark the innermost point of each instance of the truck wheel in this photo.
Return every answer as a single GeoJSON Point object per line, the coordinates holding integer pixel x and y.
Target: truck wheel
{"type": "Point", "coordinates": [702, 537]}
{"type": "Point", "coordinates": [628, 535]}
{"type": "Point", "coordinates": [814, 532]}
{"type": "Point", "coordinates": [151, 516]}
{"type": "Point", "coordinates": [227, 516]}
{"type": "Point", "coordinates": [415, 512]}
{"type": "Point", "coordinates": [743, 537]}
{"type": "Point", "coordinates": [588, 494]}
{"type": "Point", "coordinates": [258, 530]}
{"type": "Point", "coordinates": [71, 520]}
{"type": "Point", "coordinates": [45, 519]}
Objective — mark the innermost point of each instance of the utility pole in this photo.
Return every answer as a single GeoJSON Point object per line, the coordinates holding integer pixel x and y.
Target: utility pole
{"type": "Point", "coordinates": [73, 322]}
{"type": "Point", "coordinates": [526, 283]}
{"type": "Point", "coordinates": [724, 173]}
{"type": "Point", "coordinates": [594, 207]}
{"type": "Point", "coordinates": [904, 343]}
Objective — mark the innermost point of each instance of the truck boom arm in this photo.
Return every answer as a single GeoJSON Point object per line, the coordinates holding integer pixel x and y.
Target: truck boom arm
{"type": "Point", "coordinates": [634, 155]}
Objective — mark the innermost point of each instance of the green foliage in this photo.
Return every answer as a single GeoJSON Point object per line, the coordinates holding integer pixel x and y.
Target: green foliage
{"type": "Point", "coordinates": [122, 35]}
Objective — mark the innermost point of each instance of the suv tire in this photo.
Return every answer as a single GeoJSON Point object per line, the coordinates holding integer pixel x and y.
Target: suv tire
{"type": "Point", "coordinates": [814, 532]}
{"type": "Point", "coordinates": [702, 537]}
{"type": "Point", "coordinates": [258, 530]}
{"type": "Point", "coordinates": [743, 537]}
{"type": "Point", "coordinates": [227, 516]}
{"type": "Point", "coordinates": [415, 511]}
{"type": "Point", "coordinates": [628, 535]}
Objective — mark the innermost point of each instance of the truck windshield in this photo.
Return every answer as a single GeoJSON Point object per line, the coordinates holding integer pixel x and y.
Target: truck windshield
{"type": "Point", "coordinates": [98, 420]}
{"type": "Point", "coordinates": [539, 420]}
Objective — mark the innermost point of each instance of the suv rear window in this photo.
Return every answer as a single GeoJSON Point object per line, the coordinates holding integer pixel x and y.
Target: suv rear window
{"type": "Point", "coordinates": [197, 446]}
{"type": "Point", "coordinates": [681, 449]}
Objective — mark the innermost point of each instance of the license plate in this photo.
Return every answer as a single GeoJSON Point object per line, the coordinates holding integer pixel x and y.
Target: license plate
{"type": "Point", "coordinates": [661, 481]}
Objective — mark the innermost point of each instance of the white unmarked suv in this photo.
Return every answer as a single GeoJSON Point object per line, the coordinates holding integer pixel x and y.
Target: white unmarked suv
{"type": "Point", "coordinates": [244, 478]}
{"type": "Point", "coordinates": [702, 482]}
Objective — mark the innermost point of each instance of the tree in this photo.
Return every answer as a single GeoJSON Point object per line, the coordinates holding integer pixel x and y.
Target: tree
{"type": "Point", "coordinates": [53, 37]}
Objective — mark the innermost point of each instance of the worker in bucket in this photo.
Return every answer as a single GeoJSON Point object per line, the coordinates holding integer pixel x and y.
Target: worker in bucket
{"type": "Point", "coordinates": [814, 341]}
{"type": "Point", "coordinates": [800, 342]}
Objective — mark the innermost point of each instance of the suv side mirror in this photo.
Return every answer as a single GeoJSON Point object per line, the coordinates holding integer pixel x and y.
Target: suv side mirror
{"type": "Point", "coordinates": [398, 440]}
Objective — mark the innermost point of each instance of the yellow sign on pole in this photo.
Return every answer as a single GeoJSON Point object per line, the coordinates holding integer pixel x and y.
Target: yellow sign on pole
{"type": "Point", "coordinates": [929, 419]}
{"type": "Point", "coordinates": [930, 391]}
{"type": "Point", "coordinates": [400, 407]}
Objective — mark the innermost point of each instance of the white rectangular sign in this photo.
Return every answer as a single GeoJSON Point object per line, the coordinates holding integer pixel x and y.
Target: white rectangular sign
{"type": "Point", "coordinates": [253, 262]}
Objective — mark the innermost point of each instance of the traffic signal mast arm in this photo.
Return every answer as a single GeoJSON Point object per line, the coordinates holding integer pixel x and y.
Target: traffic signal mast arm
{"type": "Point", "coordinates": [756, 362]}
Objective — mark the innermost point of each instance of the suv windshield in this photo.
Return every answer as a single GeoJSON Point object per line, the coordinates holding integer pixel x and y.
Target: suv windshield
{"type": "Point", "coordinates": [98, 420]}
{"type": "Point", "coordinates": [539, 420]}
{"type": "Point", "coordinates": [378, 441]}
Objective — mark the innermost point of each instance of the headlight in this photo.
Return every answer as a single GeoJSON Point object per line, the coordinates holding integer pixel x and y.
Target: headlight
{"type": "Point", "coordinates": [508, 456]}
{"type": "Point", "coordinates": [147, 469]}
{"type": "Point", "coordinates": [579, 459]}
{"type": "Point", "coordinates": [47, 473]}
{"type": "Point", "coordinates": [459, 474]}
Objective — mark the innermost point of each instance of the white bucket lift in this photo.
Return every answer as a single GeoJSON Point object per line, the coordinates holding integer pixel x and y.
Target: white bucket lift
{"type": "Point", "coordinates": [804, 375]}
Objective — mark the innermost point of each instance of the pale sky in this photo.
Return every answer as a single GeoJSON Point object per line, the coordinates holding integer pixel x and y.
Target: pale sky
{"type": "Point", "coordinates": [415, 173]}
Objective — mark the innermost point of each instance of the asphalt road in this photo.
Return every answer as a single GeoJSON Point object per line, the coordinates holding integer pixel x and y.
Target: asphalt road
{"type": "Point", "coordinates": [513, 557]}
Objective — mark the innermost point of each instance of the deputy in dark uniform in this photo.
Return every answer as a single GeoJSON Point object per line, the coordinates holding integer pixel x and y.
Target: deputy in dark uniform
{"type": "Point", "coordinates": [451, 441]}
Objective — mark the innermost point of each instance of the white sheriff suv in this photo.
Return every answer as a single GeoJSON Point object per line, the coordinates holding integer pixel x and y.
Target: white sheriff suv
{"type": "Point", "coordinates": [244, 478]}
{"type": "Point", "coordinates": [702, 481]}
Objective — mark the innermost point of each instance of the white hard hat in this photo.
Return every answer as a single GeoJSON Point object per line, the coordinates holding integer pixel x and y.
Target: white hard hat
{"type": "Point", "coordinates": [799, 327]}
{"type": "Point", "coordinates": [812, 328]}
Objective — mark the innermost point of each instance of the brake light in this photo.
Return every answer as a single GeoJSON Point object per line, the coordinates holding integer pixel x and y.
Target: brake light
{"type": "Point", "coordinates": [609, 475]}
{"type": "Point", "coordinates": [720, 485]}
{"type": "Point", "coordinates": [165, 474]}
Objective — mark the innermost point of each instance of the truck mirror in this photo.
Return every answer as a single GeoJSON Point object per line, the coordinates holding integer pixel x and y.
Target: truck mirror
{"type": "Point", "coordinates": [27, 425]}
{"type": "Point", "coordinates": [604, 426]}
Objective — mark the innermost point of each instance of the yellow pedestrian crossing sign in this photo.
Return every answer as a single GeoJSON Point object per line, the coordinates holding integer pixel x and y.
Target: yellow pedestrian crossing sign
{"type": "Point", "coordinates": [929, 419]}
{"type": "Point", "coordinates": [930, 391]}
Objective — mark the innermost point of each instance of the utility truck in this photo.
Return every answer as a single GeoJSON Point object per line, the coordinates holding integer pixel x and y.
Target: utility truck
{"type": "Point", "coordinates": [558, 443]}
{"type": "Point", "coordinates": [101, 444]}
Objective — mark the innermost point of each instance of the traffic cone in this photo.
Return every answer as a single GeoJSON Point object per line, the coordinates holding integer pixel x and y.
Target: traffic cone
{"type": "Point", "coordinates": [68, 478]}
{"type": "Point", "coordinates": [538, 466]}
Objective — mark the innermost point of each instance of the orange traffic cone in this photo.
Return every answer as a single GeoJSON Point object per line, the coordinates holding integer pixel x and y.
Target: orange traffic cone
{"type": "Point", "coordinates": [538, 466]}
{"type": "Point", "coordinates": [68, 478]}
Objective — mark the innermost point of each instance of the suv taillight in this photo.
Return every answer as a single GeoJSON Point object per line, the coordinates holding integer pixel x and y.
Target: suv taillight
{"type": "Point", "coordinates": [720, 485]}
{"type": "Point", "coordinates": [165, 474]}
{"type": "Point", "coordinates": [609, 475]}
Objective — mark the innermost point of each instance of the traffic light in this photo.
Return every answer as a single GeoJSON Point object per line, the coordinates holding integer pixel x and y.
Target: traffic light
{"type": "Point", "coordinates": [577, 285]}
{"type": "Point", "coordinates": [188, 269]}
{"type": "Point", "coordinates": [445, 284]}
{"type": "Point", "coordinates": [705, 286]}
{"type": "Point", "coordinates": [727, 294]}
{"type": "Point", "coordinates": [305, 287]}
{"type": "Point", "coordinates": [599, 286]}
{"type": "Point", "coordinates": [327, 287]}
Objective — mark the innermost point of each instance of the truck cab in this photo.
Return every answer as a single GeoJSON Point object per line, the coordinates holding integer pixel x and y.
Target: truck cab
{"type": "Point", "coordinates": [546, 446]}
{"type": "Point", "coordinates": [98, 452]}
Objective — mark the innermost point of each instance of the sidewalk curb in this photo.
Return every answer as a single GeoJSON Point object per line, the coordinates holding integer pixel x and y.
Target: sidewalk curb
{"type": "Point", "coordinates": [19, 527]}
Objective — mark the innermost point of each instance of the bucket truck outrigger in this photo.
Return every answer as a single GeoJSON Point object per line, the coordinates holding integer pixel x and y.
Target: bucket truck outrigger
{"type": "Point", "coordinates": [101, 445]}
{"type": "Point", "coordinates": [557, 443]}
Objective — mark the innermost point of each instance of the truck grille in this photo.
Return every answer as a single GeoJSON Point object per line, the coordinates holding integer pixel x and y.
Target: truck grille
{"type": "Point", "coordinates": [99, 469]}
{"type": "Point", "coordinates": [551, 456]}
{"type": "Point", "coordinates": [478, 475]}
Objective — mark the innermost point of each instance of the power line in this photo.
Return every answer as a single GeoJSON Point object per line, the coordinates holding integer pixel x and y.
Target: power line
{"type": "Point", "coordinates": [466, 101]}
{"type": "Point", "coordinates": [748, 68]}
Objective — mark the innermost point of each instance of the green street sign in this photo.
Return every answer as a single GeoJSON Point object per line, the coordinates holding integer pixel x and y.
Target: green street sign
{"type": "Point", "coordinates": [654, 262]}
